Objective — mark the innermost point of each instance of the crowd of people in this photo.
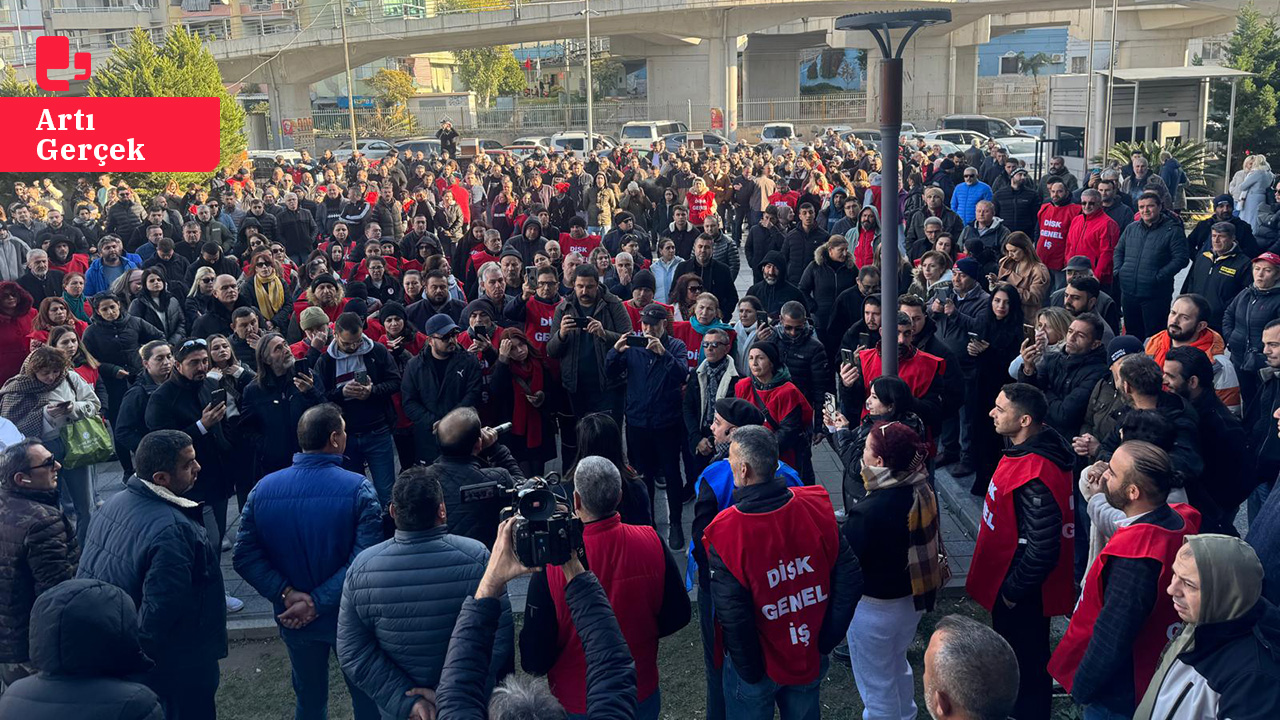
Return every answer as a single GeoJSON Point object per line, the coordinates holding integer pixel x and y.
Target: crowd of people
{"type": "Point", "coordinates": [372, 358]}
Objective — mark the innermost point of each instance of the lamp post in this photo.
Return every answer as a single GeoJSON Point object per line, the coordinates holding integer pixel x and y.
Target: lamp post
{"type": "Point", "coordinates": [591, 143]}
{"type": "Point", "coordinates": [879, 24]}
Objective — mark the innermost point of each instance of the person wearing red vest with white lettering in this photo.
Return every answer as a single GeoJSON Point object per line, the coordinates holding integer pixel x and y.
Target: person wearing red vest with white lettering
{"type": "Point", "coordinates": [1053, 222]}
{"type": "Point", "coordinates": [1022, 562]}
{"type": "Point", "coordinates": [786, 412]}
{"type": "Point", "coordinates": [639, 577]}
{"type": "Point", "coordinates": [1124, 619]}
{"type": "Point", "coordinates": [577, 240]}
{"type": "Point", "coordinates": [700, 200]}
{"type": "Point", "coordinates": [921, 371]}
{"type": "Point", "coordinates": [784, 584]}
{"type": "Point", "coordinates": [704, 318]}
{"type": "Point", "coordinates": [488, 253]}
{"type": "Point", "coordinates": [535, 308]}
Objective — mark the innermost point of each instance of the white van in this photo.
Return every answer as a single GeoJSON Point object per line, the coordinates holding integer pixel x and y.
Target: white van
{"type": "Point", "coordinates": [575, 142]}
{"type": "Point", "coordinates": [641, 135]}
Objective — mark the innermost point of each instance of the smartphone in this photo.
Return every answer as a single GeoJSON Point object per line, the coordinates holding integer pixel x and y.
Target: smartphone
{"type": "Point", "coordinates": [829, 404]}
{"type": "Point", "coordinates": [502, 428]}
{"type": "Point", "coordinates": [529, 273]}
{"type": "Point", "coordinates": [847, 357]}
{"type": "Point", "coordinates": [864, 340]}
{"type": "Point", "coordinates": [973, 336]}
{"type": "Point", "coordinates": [1029, 332]}
{"type": "Point", "coordinates": [943, 295]}
{"type": "Point", "coordinates": [362, 378]}
{"type": "Point", "coordinates": [217, 397]}
{"type": "Point", "coordinates": [301, 367]}
{"type": "Point", "coordinates": [638, 340]}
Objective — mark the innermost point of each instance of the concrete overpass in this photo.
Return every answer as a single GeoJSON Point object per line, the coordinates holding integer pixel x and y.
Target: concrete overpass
{"type": "Point", "coordinates": [691, 46]}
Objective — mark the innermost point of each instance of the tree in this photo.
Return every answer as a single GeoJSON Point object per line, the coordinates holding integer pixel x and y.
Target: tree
{"type": "Point", "coordinates": [180, 67]}
{"type": "Point", "coordinates": [394, 87]}
{"type": "Point", "coordinates": [606, 74]}
{"type": "Point", "coordinates": [1195, 158]}
{"type": "Point", "coordinates": [1034, 64]}
{"type": "Point", "coordinates": [11, 86]}
{"type": "Point", "coordinates": [1253, 48]}
{"type": "Point", "coordinates": [490, 72]}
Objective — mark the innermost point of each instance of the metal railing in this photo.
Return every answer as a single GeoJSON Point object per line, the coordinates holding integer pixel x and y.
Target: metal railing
{"type": "Point", "coordinates": [816, 109]}
{"type": "Point", "coordinates": [139, 6]}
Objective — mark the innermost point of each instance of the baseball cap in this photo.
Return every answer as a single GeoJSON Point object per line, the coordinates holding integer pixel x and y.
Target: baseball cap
{"type": "Point", "coordinates": [653, 313]}
{"type": "Point", "coordinates": [440, 325]}
{"type": "Point", "coordinates": [1122, 346]}
{"type": "Point", "coordinates": [1269, 257]}
{"type": "Point", "coordinates": [1079, 262]}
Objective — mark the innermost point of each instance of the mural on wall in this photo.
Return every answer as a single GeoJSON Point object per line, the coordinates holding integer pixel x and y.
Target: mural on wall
{"type": "Point", "coordinates": [832, 70]}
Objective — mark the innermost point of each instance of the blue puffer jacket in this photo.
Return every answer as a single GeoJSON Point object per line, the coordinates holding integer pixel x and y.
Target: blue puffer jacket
{"type": "Point", "coordinates": [399, 605]}
{"type": "Point", "coordinates": [301, 528]}
{"type": "Point", "coordinates": [654, 382]}
{"type": "Point", "coordinates": [159, 551]}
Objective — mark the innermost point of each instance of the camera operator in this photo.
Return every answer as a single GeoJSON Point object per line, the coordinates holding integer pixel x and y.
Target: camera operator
{"type": "Point", "coordinates": [610, 675]}
{"type": "Point", "coordinates": [402, 596]}
{"type": "Point", "coordinates": [639, 577]}
{"type": "Point", "coordinates": [471, 455]}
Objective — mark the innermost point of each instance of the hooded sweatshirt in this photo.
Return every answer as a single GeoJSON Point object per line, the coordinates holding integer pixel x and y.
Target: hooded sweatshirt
{"type": "Point", "coordinates": [774, 296]}
{"type": "Point", "coordinates": [864, 241]}
{"type": "Point", "coordinates": [1227, 664]}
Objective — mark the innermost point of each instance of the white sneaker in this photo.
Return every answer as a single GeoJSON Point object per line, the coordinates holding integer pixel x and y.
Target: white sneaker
{"type": "Point", "coordinates": [234, 604]}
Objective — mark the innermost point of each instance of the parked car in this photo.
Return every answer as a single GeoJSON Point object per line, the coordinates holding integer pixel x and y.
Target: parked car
{"type": "Point", "coordinates": [575, 142]}
{"type": "Point", "coordinates": [643, 134]}
{"type": "Point", "coordinates": [289, 155]}
{"type": "Point", "coordinates": [1024, 149]}
{"type": "Point", "coordinates": [427, 145]}
{"type": "Point", "coordinates": [375, 150]}
{"type": "Point", "coordinates": [778, 131]}
{"type": "Point", "coordinates": [469, 148]}
{"type": "Point", "coordinates": [697, 140]}
{"type": "Point", "coordinates": [1030, 125]}
{"type": "Point", "coordinates": [908, 127]}
{"type": "Point", "coordinates": [870, 137]}
{"type": "Point", "coordinates": [963, 138]}
{"type": "Point", "coordinates": [989, 126]}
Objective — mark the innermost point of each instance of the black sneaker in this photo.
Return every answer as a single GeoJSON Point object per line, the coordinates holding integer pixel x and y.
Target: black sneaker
{"type": "Point", "coordinates": [675, 538]}
{"type": "Point", "coordinates": [947, 457]}
{"type": "Point", "coordinates": [962, 469]}
{"type": "Point", "coordinates": [842, 650]}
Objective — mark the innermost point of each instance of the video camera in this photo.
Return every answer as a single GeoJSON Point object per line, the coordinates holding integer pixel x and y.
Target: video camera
{"type": "Point", "coordinates": [545, 534]}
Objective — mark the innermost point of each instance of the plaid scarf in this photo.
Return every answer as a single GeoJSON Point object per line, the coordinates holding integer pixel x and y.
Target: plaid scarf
{"type": "Point", "coordinates": [924, 561]}
{"type": "Point", "coordinates": [22, 401]}
{"type": "Point", "coordinates": [714, 375]}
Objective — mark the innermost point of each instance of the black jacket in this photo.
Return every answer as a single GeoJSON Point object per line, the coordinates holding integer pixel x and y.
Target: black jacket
{"type": "Point", "coordinates": [50, 286]}
{"type": "Point", "coordinates": [164, 314]}
{"type": "Point", "coordinates": [298, 231]}
{"type": "Point", "coordinates": [131, 423]}
{"type": "Point", "coordinates": [430, 389]}
{"type": "Point", "coordinates": [1185, 453]}
{"type": "Point", "coordinates": [1039, 519]}
{"type": "Point", "coordinates": [806, 359]}
{"type": "Point", "coordinates": [798, 247]}
{"type": "Point", "coordinates": [823, 281]}
{"type": "Point", "coordinates": [269, 419]}
{"type": "Point", "coordinates": [1067, 381]}
{"type": "Point", "coordinates": [736, 610]}
{"type": "Point", "coordinates": [1018, 208]}
{"type": "Point", "coordinates": [163, 555]}
{"type": "Point", "coordinates": [611, 673]}
{"type": "Point", "coordinates": [1219, 280]}
{"type": "Point", "coordinates": [1148, 257]}
{"type": "Point", "coordinates": [37, 551]}
{"type": "Point", "coordinates": [1242, 324]}
{"type": "Point", "coordinates": [1198, 240]}
{"type": "Point", "coordinates": [876, 530]}
{"type": "Point", "coordinates": [760, 242]}
{"type": "Point", "coordinates": [952, 224]}
{"type": "Point", "coordinates": [1228, 466]}
{"type": "Point", "coordinates": [477, 519]}
{"type": "Point", "coordinates": [217, 320]}
{"type": "Point", "coordinates": [175, 272]}
{"type": "Point", "coordinates": [82, 674]}
{"type": "Point", "coordinates": [773, 297]}
{"type": "Point", "coordinates": [374, 414]}
{"type": "Point", "coordinates": [421, 311]}
{"type": "Point", "coordinates": [716, 280]}
{"type": "Point", "coordinates": [115, 344]}
{"type": "Point", "coordinates": [177, 405]}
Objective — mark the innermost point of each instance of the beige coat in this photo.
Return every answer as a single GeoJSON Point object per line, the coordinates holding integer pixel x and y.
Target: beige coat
{"type": "Point", "coordinates": [1033, 283]}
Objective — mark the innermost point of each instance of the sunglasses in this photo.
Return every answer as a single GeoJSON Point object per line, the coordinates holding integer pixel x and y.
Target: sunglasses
{"type": "Point", "coordinates": [713, 344]}
{"type": "Point", "coordinates": [695, 288]}
{"type": "Point", "coordinates": [51, 462]}
{"type": "Point", "coordinates": [263, 264]}
{"type": "Point", "coordinates": [194, 343]}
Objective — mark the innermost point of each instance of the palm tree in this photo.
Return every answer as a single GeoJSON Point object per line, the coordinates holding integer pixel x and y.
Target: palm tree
{"type": "Point", "coordinates": [1034, 64]}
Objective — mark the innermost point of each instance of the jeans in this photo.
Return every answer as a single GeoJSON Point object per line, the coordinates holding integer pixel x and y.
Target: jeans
{"type": "Point", "coordinates": [75, 494]}
{"type": "Point", "coordinates": [1098, 712]}
{"type": "Point", "coordinates": [309, 659]}
{"type": "Point", "coordinates": [747, 701]}
{"type": "Point", "coordinates": [1026, 629]}
{"type": "Point", "coordinates": [715, 677]}
{"type": "Point", "coordinates": [879, 636]}
{"type": "Point", "coordinates": [648, 709]}
{"type": "Point", "coordinates": [377, 450]}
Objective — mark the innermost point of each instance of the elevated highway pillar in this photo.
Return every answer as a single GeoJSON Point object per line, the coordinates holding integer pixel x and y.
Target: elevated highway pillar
{"type": "Point", "coordinates": [687, 77]}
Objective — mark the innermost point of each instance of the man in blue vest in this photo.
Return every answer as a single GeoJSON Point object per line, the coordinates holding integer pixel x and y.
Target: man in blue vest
{"type": "Point", "coordinates": [715, 493]}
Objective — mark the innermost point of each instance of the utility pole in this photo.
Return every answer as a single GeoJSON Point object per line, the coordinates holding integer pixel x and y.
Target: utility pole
{"type": "Point", "coordinates": [591, 142]}
{"type": "Point", "coordinates": [351, 88]}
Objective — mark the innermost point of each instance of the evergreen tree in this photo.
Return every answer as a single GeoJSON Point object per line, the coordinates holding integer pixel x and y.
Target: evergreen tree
{"type": "Point", "coordinates": [1253, 47]}
{"type": "Point", "coordinates": [490, 72]}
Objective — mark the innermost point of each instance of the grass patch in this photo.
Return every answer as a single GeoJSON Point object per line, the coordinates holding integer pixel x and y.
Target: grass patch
{"type": "Point", "coordinates": [256, 679]}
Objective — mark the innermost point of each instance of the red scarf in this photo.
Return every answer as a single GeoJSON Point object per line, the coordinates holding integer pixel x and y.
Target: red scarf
{"type": "Point", "coordinates": [526, 420]}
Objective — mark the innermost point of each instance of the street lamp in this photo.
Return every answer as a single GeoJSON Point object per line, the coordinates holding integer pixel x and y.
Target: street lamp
{"type": "Point", "coordinates": [879, 24]}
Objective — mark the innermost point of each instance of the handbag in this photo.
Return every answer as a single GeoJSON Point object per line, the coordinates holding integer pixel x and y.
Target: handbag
{"type": "Point", "coordinates": [87, 442]}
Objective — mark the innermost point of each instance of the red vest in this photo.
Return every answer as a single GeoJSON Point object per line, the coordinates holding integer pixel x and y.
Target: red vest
{"type": "Point", "coordinates": [998, 534]}
{"type": "Point", "coordinates": [700, 206]}
{"type": "Point", "coordinates": [692, 340]}
{"type": "Point", "coordinates": [1054, 223]}
{"type": "Point", "coordinates": [778, 402]}
{"type": "Point", "coordinates": [583, 246]}
{"type": "Point", "coordinates": [784, 559]}
{"type": "Point", "coordinates": [633, 312]}
{"type": "Point", "coordinates": [630, 564]}
{"type": "Point", "coordinates": [537, 322]}
{"type": "Point", "coordinates": [917, 371]}
{"type": "Point", "coordinates": [1142, 540]}
{"type": "Point", "coordinates": [479, 258]}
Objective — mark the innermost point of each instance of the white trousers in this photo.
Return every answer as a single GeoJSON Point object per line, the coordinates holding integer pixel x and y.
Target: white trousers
{"type": "Point", "coordinates": [879, 636]}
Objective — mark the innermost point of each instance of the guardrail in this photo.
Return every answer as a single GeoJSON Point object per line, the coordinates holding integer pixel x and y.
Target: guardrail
{"type": "Point", "coordinates": [140, 6]}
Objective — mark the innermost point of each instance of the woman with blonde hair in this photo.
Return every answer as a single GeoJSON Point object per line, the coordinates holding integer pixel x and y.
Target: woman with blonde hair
{"type": "Point", "coordinates": [200, 296]}
{"type": "Point", "coordinates": [1022, 269]}
{"type": "Point", "coordinates": [1255, 187]}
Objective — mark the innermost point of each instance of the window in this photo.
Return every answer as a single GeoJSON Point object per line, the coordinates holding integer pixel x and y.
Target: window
{"type": "Point", "coordinates": [1078, 64]}
{"type": "Point", "coordinates": [1122, 134]}
{"type": "Point", "coordinates": [1009, 64]}
{"type": "Point", "coordinates": [1070, 141]}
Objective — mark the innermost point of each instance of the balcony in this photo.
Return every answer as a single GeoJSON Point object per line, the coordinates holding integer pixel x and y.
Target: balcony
{"type": "Point", "coordinates": [204, 9]}
{"type": "Point", "coordinates": [256, 13]}
{"type": "Point", "coordinates": [70, 16]}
